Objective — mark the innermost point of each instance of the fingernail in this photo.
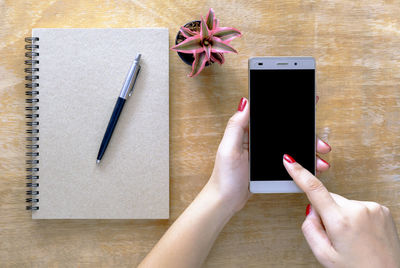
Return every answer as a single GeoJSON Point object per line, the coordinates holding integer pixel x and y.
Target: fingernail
{"type": "Point", "coordinates": [289, 159]}
{"type": "Point", "coordinates": [242, 104]}
{"type": "Point", "coordinates": [308, 209]}
{"type": "Point", "coordinates": [327, 145]}
{"type": "Point", "coordinates": [325, 162]}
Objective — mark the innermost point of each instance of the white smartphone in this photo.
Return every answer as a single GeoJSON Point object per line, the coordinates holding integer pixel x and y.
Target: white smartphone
{"type": "Point", "coordinates": [282, 120]}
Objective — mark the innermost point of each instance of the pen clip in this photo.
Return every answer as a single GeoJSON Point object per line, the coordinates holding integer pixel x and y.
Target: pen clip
{"type": "Point", "coordinates": [134, 81]}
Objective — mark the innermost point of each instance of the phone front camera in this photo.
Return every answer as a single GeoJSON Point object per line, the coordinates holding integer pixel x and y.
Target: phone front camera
{"type": "Point", "coordinates": [295, 63]}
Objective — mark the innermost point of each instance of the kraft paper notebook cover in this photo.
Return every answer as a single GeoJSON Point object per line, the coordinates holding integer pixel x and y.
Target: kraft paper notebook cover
{"type": "Point", "coordinates": [76, 77]}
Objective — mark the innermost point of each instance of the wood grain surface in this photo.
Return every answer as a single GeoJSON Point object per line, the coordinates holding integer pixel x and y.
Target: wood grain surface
{"type": "Point", "coordinates": [357, 48]}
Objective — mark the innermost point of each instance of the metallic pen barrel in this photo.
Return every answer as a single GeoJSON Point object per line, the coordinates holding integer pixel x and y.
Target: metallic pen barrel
{"type": "Point", "coordinates": [130, 79]}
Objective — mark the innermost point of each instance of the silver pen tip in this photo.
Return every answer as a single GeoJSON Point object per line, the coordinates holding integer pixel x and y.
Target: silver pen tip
{"type": "Point", "coordinates": [138, 57]}
{"type": "Point", "coordinates": [97, 161]}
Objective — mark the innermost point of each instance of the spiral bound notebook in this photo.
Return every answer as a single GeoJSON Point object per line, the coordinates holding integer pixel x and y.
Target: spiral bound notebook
{"type": "Point", "coordinates": [74, 79]}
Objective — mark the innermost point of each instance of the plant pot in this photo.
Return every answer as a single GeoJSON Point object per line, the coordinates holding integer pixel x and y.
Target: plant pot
{"type": "Point", "coordinates": [185, 57]}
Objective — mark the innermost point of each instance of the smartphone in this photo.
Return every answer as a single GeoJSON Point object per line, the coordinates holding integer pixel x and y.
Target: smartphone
{"type": "Point", "coordinates": [282, 120]}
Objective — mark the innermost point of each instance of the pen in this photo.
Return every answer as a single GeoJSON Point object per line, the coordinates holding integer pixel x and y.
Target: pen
{"type": "Point", "coordinates": [126, 91]}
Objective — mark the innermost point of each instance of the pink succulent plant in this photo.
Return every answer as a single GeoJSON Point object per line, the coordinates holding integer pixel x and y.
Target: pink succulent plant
{"type": "Point", "coordinates": [208, 45]}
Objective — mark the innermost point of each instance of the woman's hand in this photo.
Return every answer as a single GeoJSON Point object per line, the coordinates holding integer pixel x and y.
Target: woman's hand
{"type": "Point", "coordinates": [343, 232]}
{"type": "Point", "coordinates": [230, 177]}
{"type": "Point", "coordinates": [225, 193]}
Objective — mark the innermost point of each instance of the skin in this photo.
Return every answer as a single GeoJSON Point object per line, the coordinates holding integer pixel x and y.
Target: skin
{"type": "Point", "coordinates": [340, 232]}
{"type": "Point", "coordinates": [343, 232]}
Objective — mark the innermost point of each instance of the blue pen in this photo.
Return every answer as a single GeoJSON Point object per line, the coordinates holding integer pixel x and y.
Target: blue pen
{"type": "Point", "coordinates": [126, 91]}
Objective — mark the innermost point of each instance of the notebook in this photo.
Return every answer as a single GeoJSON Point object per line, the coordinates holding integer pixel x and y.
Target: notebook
{"type": "Point", "coordinates": [74, 81]}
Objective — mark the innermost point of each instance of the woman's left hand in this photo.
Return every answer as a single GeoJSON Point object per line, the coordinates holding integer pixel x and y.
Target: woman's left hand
{"type": "Point", "coordinates": [226, 192]}
{"type": "Point", "coordinates": [230, 177]}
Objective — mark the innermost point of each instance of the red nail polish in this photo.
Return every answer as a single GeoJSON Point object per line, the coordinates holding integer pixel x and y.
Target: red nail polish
{"type": "Point", "coordinates": [327, 145]}
{"type": "Point", "coordinates": [308, 209]}
{"type": "Point", "coordinates": [289, 159]}
{"type": "Point", "coordinates": [325, 162]}
{"type": "Point", "coordinates": [242, 104]}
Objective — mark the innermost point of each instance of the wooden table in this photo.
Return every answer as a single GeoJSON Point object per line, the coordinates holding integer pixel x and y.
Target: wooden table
{"type": "Point", "coordinates": [357, 48]}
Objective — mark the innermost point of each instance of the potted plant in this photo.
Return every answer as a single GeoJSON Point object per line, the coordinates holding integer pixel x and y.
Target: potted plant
{"type": "Point", "coordinates": [201, 43]}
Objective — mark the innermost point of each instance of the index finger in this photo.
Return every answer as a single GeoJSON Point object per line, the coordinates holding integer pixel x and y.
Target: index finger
{"type": "Point", "coordinates": [316, 192]}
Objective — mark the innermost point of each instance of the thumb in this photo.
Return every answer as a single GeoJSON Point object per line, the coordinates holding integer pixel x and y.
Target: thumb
{"type": "Point", "coordinates": [316, 236]}
{"type": "Point", "coordinates": [237, 126]}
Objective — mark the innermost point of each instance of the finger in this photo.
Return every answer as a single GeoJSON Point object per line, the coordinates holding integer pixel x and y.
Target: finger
{"type": "Point", "coordinates": [310, 209]}
{"type": "Point", "coordinates": [322, 165]}
{"type": "Point", "coordinates": [323, 147]}
{"type": "Point", "coordinates": [316, 192]}
{"type": "Point", "coordinates": [237, 126]}
{"type": "Point", "coordinates": [316, 236]}
{"type": "Point", "coordinates": [246, 139]}
{"type": "Point", "coordinates": [316, 99]}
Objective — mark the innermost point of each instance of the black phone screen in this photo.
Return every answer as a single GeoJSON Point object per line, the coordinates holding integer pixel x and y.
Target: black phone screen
{"type": "Point", "coordinates": [282, 120]}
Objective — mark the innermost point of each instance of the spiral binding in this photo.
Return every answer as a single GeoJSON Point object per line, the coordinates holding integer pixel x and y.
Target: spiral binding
{"type": "Point", "coordinates": [32, 123]}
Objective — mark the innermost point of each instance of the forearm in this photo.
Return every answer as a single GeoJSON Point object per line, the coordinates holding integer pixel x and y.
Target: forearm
{"type": "Point", "coordinates": [189, 240]}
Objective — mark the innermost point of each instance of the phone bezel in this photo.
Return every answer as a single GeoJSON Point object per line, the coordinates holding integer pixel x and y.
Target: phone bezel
{"type": "Point", "coordinates": [279, 63]}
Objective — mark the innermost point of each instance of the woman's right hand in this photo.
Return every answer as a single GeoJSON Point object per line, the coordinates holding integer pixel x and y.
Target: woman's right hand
{"type": "Point", "coordinates": [343, 232]}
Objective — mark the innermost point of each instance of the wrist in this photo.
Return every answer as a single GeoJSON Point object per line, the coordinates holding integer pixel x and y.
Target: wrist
{"type": "Point", "coordinates": [218, 200]}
